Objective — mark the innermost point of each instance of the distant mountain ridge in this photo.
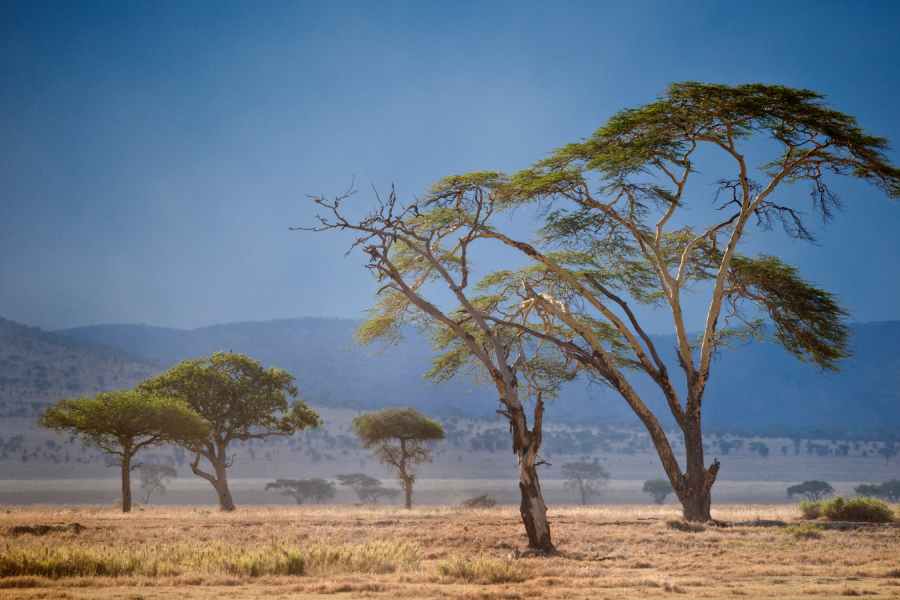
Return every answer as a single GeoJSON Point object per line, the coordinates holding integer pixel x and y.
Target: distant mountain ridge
{"type": "Point", "coordinates": [754, 387]}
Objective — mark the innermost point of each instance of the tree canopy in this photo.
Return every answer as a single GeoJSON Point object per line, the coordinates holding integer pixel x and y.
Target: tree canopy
{"type": "Point", "coordinates": [239, 399]}
{"type": "Point", "coordinates": [123, 422]}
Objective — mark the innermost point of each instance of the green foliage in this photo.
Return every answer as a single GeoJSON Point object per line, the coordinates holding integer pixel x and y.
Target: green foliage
{"type": "Point", "coordinates": [121, 422]}
{"type": "Point", "coordinates": [867, 510]}
{"type": "Point", "coordinates": [811, 490]}
{"type": "Point", "coordinates": [390, 424]}
{"type": "Point", "coordinates": [658, 489]}
{"type": "Point", "coordinates": [811, 509]}
{"type": "Point", "coordinates": [864, 510]}
{"type": "Point", "coordinates": [236, 396]}
{"type": "Point", "coordinates": [808, 321]}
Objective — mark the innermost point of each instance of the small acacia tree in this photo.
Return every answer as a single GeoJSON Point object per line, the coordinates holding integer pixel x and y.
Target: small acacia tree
{"type": "Point", "coordinates": [123, 422]}
{"type": "Point", "coordinates": [368, 489]}
{"type": "Point", "coordinates": [658, 489]}
{"type": "Point", "coordinates": [889, 490]}
{"type": "Point", "coordinates": [154, 478]}
{"type": "Point", "coordinates": [585, 478]}
{"type": "Point", "coordinates": [301, 490]}
{"type": "Point", "coordinates": [239, 400]}
{"type": "Point", "coordinates": [400, 438]}
{"type": "Point", "coordinates": [811, 490]}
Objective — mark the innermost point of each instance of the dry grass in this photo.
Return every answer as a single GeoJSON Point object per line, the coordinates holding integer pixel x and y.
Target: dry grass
{"type": "Point", "coordinates": [306, 552]}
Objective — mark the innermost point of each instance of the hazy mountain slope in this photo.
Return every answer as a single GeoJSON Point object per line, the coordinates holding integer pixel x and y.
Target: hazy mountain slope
{"type": "Point", "coordinates": [753, 386]}
{"type": "Point", "coordinates": [37, 367]}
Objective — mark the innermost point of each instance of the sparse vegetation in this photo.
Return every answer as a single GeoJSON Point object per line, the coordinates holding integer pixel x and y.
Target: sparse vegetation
{"type": "Point", "coordinates": [154, 478]}
{"type": "Point", "coordinates": [368, 489]}
{"type": "Point", "coordinates": [585, 478]}
{"type": "Point", "coordinates": [483, 501]}
{"type": "Point", "coordinates": [482, 569]}
{"type": "Point", "coordinates": [805, 531]}
{"type": "Point", "coordinates": [889, 490]}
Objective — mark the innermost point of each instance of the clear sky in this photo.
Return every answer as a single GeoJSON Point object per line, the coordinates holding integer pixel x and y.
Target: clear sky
{"type": "Point", "coordinates": [153, 154]}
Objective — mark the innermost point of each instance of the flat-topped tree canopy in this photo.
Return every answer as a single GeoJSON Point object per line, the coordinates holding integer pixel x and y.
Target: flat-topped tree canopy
{"type": "Point", "coordinates": [396, 424]}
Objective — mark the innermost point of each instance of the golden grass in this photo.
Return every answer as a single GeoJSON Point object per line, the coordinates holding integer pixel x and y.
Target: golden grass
{"type": "Point", "coordinates": [389, 553]}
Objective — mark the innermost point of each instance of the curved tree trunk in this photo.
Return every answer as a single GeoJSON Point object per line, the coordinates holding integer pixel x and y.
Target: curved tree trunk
{"type": "Point", "coordinates": [532, 507]}
{"type": "Point", "coordinates": [226, 502]}
{"type": "Point", "coordinates": [126, 482]}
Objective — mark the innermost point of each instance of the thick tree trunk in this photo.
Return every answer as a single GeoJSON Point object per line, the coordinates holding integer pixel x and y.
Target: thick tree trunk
{"type": "Point", "coordinates": [696, 489]}
{"type": "Point", "coordinates": [532, 507]}
{"type": "Point", "coordinates": [126, 483]}
{"type": "Point", "coordinates": [226, 503]}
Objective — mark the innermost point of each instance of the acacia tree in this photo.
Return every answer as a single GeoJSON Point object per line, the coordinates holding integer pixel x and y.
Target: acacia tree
{"type": "Point", "coordinates": [585, 478]}
{"type": "Point", "coordinates": [154, 478]}
{"type": "Point", "coordinates": [415, 252]}
{"type": "Point", "coordinates": [239, 400]}
{"type": "Point", "coordinates": [400, 438]}
{"type": "Point", "coordinates": [616, 238]}
{"type": "Point", "coordinates": [368, 489]}
{"type": "Point", "coordinates": [123, 422]}
{"type": "Point", "coordinates": [301, 490]}
{"type": "Point", "coordinates": [811, 490]}
{"type": "Point", "coordinates": [658, 489]}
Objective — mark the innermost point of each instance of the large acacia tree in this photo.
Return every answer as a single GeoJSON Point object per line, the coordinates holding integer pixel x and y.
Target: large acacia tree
{"type": "Point", "coordinates": [239, 400]}
{"type": "Point", "coordinates": [628, 226]}
{"type": "Point", "coordinates": [625, 228]}
{"type": "Point", "coordinates": [418, 253]}
{"type": "Point", "coordinates": [400, 438]}
{"type": "Point", "coordinates": [123, 422]}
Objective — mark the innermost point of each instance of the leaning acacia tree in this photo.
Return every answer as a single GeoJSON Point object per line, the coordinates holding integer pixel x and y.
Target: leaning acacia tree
{"type": "Point", "coordinates": [121, 423]}
{"type": "Point", "coordinates": [240, 400]}
{"type": "Point", "coordinates": [400, 438]}
{"type": "Point", "coordinates": [418, 252]}
{"type": "Point", "coordinates": [617, 237]}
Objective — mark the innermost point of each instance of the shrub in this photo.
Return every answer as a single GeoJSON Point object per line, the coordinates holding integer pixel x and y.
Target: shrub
{"type": "Point", "coordinates": [810, 509]}
{"type": "Point", "coordinates": [482, 569]}
{"type": "Point", "coordinates": [866, 510]}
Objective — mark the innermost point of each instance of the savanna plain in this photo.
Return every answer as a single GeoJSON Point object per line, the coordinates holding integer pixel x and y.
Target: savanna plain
{"type": "Point", "coordinates": [622, 552]}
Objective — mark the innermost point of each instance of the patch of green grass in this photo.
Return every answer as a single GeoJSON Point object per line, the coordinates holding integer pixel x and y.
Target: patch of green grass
{"type": "Point", "coordinates": [685, 526]}
{"type": "Point", "coordinates": [860, 510]}
{"type": "Point", "coordinates": [811, 509]}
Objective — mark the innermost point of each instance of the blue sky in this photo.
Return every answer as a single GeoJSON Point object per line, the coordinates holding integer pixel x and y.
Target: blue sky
{"type": "Point", "coordinates": [153, 154]}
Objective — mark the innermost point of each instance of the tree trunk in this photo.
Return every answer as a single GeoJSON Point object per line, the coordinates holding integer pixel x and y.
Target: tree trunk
{"type": "Point", "coordinates": [408, 491]}
{"type": "Point", "coordinates": [532, 507]}
{"type": "Point", "coordinates": [126, 482]}
{"type": "Point", "coordinates": [226, 503]}
{"type": "Point", "coordinates": [584, 495]}
{"type": "Point", "coordinates": [696, 489]}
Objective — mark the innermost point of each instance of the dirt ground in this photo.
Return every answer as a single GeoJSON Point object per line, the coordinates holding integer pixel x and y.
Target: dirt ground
{"type": "Point", "coordinates": [604, 552]}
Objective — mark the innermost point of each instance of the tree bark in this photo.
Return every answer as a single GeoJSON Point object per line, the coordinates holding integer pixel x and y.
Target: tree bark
{"type": "Point", "coordinates": [532, 507]}
{"type": "Point", "coordinates": [408, 491]}
{"type": "Point", "coordinates": [226, 502]}
{"type": "Point", "coordinates": [126, 482]}
{"type": "Point", "coordinates": [695, 491]}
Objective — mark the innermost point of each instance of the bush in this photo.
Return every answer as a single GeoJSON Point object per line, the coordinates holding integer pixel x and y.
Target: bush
{"type": "Point", "coordinates": [866, 510]}
{"type": "Point", "coordinates": [482, 569]}
{"type": "Point", "coordinates": [810, 509]}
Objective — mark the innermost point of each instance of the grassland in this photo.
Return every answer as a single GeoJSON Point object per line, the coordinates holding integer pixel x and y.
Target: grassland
{"type": "Point", "coordinates": [305, 552]}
